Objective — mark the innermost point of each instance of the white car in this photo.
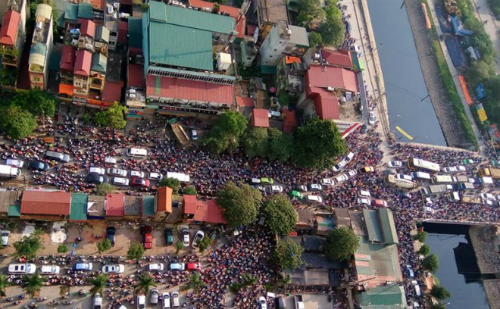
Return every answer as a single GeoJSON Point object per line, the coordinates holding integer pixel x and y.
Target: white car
{"type": "Point", "coordinates": [166, 300]}
{"type": "Point", "coordinates": [155, 176]}
{"type": "Point", "coordinates": [5, 238]}
{"type": "Point", "coordinates": [137, 174]}
{"type": "Point", "coordinates": [141, 301]}
{"type": "Point", "coordinates": [177, 266]}
{"type": "Point", "coordinates": [153, 298]}
{"type": "Point", "coordinates": [404, 177]}
{"type": "Point", "coordinates": [20, 269]}
{"type": "Point", "coordinates": [185, 237]}
{"type": "Point", "coordinates": [197, 238]}
{"type": "Point", "coordinates": [372, 119]}
{"type": "Point", "coordinates": [315, 187]}
{"type": "Point", "coordinates": [15, 163]}
{"type": "Point", "coordinates": [450, 169]}
{"type": "Point", "coordinates": [97, 170]}
{"type": "Point", "coordinates": [155, 267]}
{"type": "Point", "coordinates": [113, 269]}
{"type": "Point", "coordinates": [349, 157]}
{"type": "Point", "coordinates": [117, 172]}
{"type": "Point", "coordinates": [262, 302]}
{"type": "Point", "coordinates": [488, 196]}
{"type": "Point", "coordinates": [461, 168]}
{"type": "Point", "coordinates": [364, 201]}
{"type": "Point", "coordinates": [175, 299]}
{"type": "Point", "coordinates": [97, 301]}
{"type": "Point", "coordinates": [120, 181]}
{"type": "Point", "coordinates": [271, 113]}
{"type": "Point", "coordinates": [50, 270]}
{"type": "Point", "coordinates": [194, 135]}
{"type": "Point", "coordinates": [352, 173]}
{"type": "Point", "coordinates": [276, 189]}
{"type": "Point", "coordinates": [395, 164]}
{"type": "Point", "coordinates": [327, 182]}
{"type": "Point", "coordinates": [337, 167]}
{"type": "Point", "coordinates": [342, 178]}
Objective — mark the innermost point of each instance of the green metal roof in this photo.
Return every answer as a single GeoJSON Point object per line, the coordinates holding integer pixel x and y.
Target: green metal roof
{"type": "Point", "coordinates": [388, 226]}
{"type": "Point", "coordinates": [148, 206]}
{"type": "Point", "coordinates": [175, 15]}
{"type": "Point", "coordinates": [71, 11]}
{"type": "Point", "coordinates": [78, 207]}
{"type": "Point", "coordinates": [135, 32]}
{"type": "Point", "coordinates": [383, 297]}
{"type": "Point", "coordinates": [38, 48]}
{"type": "Point", "coordinates": [14, 211]}
{"type": "Point", "coordinates": [203, 74]}
{"type": "Point", "coordinates": [299, 36]}
{"type": "Point", "coordinates": [181, 46]}
{"type": "Point", "coordinates": [99, 63]}
{"type": "Point", "coordinates": [101, 34]}
{"type": "Point", "coordinates": [85, 10]}
{"type": "Point", "coordinates": [373, 226]}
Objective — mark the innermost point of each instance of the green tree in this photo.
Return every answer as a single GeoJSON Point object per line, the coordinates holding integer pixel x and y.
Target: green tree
{"type": "Point", "coordinates": [241, 204]}
{"type": "Point", "coordinates": [315, 39]}
{"type": "Point", "coordinates": [28, 246]}
{"type": "Point", "coordinates": [112, 117]}
{"type": "Point", "coordinates": [104, 245]}
{"type": "Point", "coordinates": [16, 122]}
{"type": "Point", "coordinates": [440, 292]}
{"type": "Point", "coordinates": [226, 133]}
{"type": "Point", "coordinates": [191, 190]}
{"type": "Point", "coordinates": [62, 248]}
{"type": "Point", "coordinates": [98, 284]}
{"type": "Point", "coordinates": [341, 244]}
{"type": "Point", "coordinates": [144, 283]}
{"type": "Point", "coordinates": [318, 144]}
{"type": "Point", "coordinates": [479, 71]}
{"type": "Point", "coordinates": [431, 263]}
{"type": "Point", "coordinates": [279, 214]}
{"type": "Point", "coordinates": [204, 244]}
{"type": "Point", "coordinates": [33, 284]}
{"type": "Point", "coordinates": [135, 251]}
{"type": "Point", "coordinates": [195, 283]}
{"type": "Point", "coordinates": [280, 146]}
{"type": "Point", "coordinates": [332, 30]}
{"type": "Point", "coordinates": [37, 102]}
{"type": "Point", "coordinates": [104, 189]}
{"type": "Point", "coordinates": [4, 283]}
{"type": "Point", "coordinates": [424, 250]}
{"type": "Point", "coordinates": [438, 306]}
{"type": "Point", "coordinates": [288, 254]}
{"type": "Point", "coordinates": [255, 142]}
{"type": "Point", "coordinates": [309, 10]}
{"type": "Point", "coordinates": [172, 183]}
{"type": "Point", "coordinates": [178, 246]}
{"type": "Point", "coordinates": [421, 236]}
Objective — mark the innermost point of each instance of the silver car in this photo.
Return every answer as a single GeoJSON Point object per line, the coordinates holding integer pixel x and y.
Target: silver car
{"type": "Point", "coordinates": [117, 172]}
{"type": "Point", "coordinates": [153, 298]}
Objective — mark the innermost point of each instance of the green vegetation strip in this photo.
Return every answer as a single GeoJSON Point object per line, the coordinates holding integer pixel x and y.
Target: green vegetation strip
{"type": "Point", "coordinates": [451, 90]}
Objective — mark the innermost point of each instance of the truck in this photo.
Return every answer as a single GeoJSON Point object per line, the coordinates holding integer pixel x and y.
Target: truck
{"type": "Point", "coordinates": [464, 186]}
{"type": "Point", "coordinates": [401, 183]}
{"type": "Point", "coordinates": [460, 178]}
{"type": "Point", "coordinates": [472, 199]}
{"type": "Point", "coordinates": [7, 171]}
{"type": "Point", "coordinates": [436, 189]}
{"type": "Point", "coordinates": [489, 172]}
{"type": "Point", "coordinates": [299, 303]}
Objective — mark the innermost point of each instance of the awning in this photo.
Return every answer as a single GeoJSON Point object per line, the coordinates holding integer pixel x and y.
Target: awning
{"type": "Point", "coordinates": [66, 89]}
{"type": "Point", "coordinates": [14, 211]}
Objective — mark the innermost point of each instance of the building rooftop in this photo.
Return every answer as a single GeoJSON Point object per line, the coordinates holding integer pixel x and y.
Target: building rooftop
{"type": "Point", "coordinates": [101, 34]}
{"type": "Point", "coordinates": [39, 202]}
{"type": "Point", "coordinates": [209, 212]}
{"type": "Point", "coordinates": [71, 12]}
{"type": "Point", "coordinates": [114, 69]}
{"type": "Point", "coordinates": [380, 225]}
{"type": "Point", "coordinates": [68, 56]}
{"type": "Point", "coordinates": [136, 76]}
{"type": "Point", "coordinates": [43, 20]}
{"type": "Point", "coordinates": [10, 27]}
{"type": "Point", "coordinates": [383, 297]}
{"type": "Point", "coordinates": [82, 63]}
{"type": "Point", "coordinates": [260, 118]}
{"type": "Point", "coordinates": [99, 63]}
{"type": "Point", "coordinates": [85, 10]}
{"type": "Point", "coordinates": [8, 198]}
{"type": "Point", "coordinates": [232, 11]}
{"type": "Point", "coordinates": [87, 28]}
{"type": "Point", "coordinates": [115, 204]}
{"type": "Point", "coordinates": [299, 36]}
{"type": "Point", "coordinates": [112, 91]}
{"type": "Point", "coordinates": [272, 11]}
{"type": "Point", "coordinates": [164, 199]}
{"type": "Point", "coordinates": [79, 203]}
{"type": "Point", "coordinates": [331, 77]}
{"type": "Point", "coordinates": [135, 32]}
{"type": "Point", "coordinates": [95, 206]}
{"type": "Point", "coordinates": [132, 206]}
{"type": "Point", "coordinates": [148, 206]}
{"type": "Point", "coordinates": [341, 58]}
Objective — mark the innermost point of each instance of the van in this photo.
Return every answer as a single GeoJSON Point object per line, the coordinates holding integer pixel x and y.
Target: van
{"type": "Point", "coordinates": [417, 288]}
{"type": "Point", "coordinates": [454, 197]}
{"type": "Point", "coordinates": [255, 181]}
{"type": "Point", "coordinates": [57, 156]}
{"type": "Point", "coordinates": [179, 176]}
{"type": "Point", "coordinates": [279, 303]}
{"type": "Point", "coordinates": [137, 152]}
{"type": "Point", "coordinates": [166, 300]}
{"type": "Point", "coordinates": [175, 299]}
{"type": "Point", "coordinates": [441, 179]}
{"type": "Point", "coordinates": [364, 193]}
{"type": "Point", "coordinates": [110, 160]}
{"type": "Point", "coordinates": [141, 301]}
{"type": "Point", "coordinates": [315, 199]}
{"type": "Point", "coordinates": [50, 270]}
{"type": "Point", "coordinates": [421, 175]}
{"type": "Point", "coordinates": [97, 301]}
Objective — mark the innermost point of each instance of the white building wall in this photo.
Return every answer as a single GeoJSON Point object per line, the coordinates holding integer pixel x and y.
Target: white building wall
{"type": "Point", "coordinates": [271, 50]}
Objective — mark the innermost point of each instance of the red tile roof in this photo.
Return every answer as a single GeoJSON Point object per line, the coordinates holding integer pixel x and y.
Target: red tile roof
{"type": "Point", "coordinates": [115, 205]}
{"type": "Point", "coordinates": [326, 105]}
{"type": "Point", "coordinates": [190, 204]}
{"type": "Point", "coordinates": [189, 90]}
{"type": "Point", "coordinates": [164, 199]}
{"type": "Point", "coordinates": [46, 202]}
{"type": "Point", "coordinates": [209, 212]}
{"type": "Point", "coordinates": [290, 121]}
{"type": "Point", "coordinates": [68, 56]}
{"type": "Point", "coordinates": [340, 58]}
{"type": "Point", "coordinates": [99, 4]}
{"type": "Point", "coordinates": [136, 76]}
{"type": "Point", "coordinates": [87, 28]}
{"type": "Point", "coordinates": [324, 77]}
{"type": "Point", "coordinates": [112, 91]}
{"type": "Point", "coordinates": [10, 27]}
{"type": "Point", "coordinates": [260, 118]}
{"type": "Point", "coordinates": [245, 101]}
{"type": "Point", "coordinates": [122, 32]}
{"type": "Point", "coordinates": [82, 63]}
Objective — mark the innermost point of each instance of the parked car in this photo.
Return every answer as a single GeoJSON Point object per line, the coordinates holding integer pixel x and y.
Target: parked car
{"type": "Point", "coordinates": [198, 237]}
{"type": "Point", "coordinates": [337, 167]}
{"type": "Point", "coordinates": [185, 237]}
{"type": "Point", "coordinates": [194, 135]}
{"type": "Point", "coordinates": [97, 170]}
{"type": "Point", "coordinates": [300, 188]}
{"type": "Point", "coordinates": [141, 301]}
{"type": "Point", "coordinates": [363, 129]}
{"type": "Point", "coordinates": [352, 173]}
{"type": "Point", "coordinates": [193, 266]}
{"type": "Point", "coordinates": [349, 157]}
{"type": "Point", "coordinates": [262, 302]}
{"type": "Point", "coordinates": [296, 194]}
{"type": "Point", "coordinates": [5, 238]}
{"type": "Point", "coordinates": [461, 168]}
{"type": "Point", "coordinates": [113, 269]}
{"type": "Point", "coordinates": [97, 301]}
{"type": "Point", "coordinates": [363, 201]}
{"type": "Point", "coordinates": [15, 163]}
{"type": "Point", "coordinates": [96, 178]}
{"type": "Point", "coordinates": [21, 269]}
{"type": "Point", "coordinates": [50, 270]}
{"type": "Point", "coordinates": [117, 172]}
{"type": "Point", "coordinates": [166, 300]}
{"type": "Point", "coordinates": [488, 196]}
{"type": "Point", "coordinates": [450, 169]}
{"type": "Point", "coordinates": [367, 169]}
{"type": "Point", "coordinates": [139, 182]}
{"type": "Point", "coordinates": [315, 187]}
{"type": "Point", "coordinates": [342, 178]}
{"type": "Point", "coordinates": [267, 180]}
{"type": "Point", "coordinates": [83, 267]}
{"type": "Point", "coordinates": [147, 236]}
{"type": "Point", "coordinates": [379, 203]}
{"type": "Point", "coordinates": [409, 269]}
{"type": "Point", "coordinates": [155, 267]}
{"type": "Point", "coordinates": [155, 176]}
{"type": "Point", "coordinates": [137, 174]}
{"type": "Point", "coordinates": [38, 165]}
{"type": "Point", "coordinates": [395, 164]}
{"type": "Point", "coordinates": [404, 177]}
{"type": "Point", "coordinates": [177, 266]}
{"type": "Point", "coordinates": [154, 296]}
{"type": "Point", "coordinates": [372, 119]}
{"type": "Point", "coordinates": [276, 189]}
{"type": "Point", "coordinates": [327, 182]}
{"type": "Point", "coordinates": [175, 299]}
{"type": "Point", "coordinates": [120, 181]}
{"type": "Point", "coordinates": [169, 237]}
{"type": "Point", "coordinates": [110, 234]}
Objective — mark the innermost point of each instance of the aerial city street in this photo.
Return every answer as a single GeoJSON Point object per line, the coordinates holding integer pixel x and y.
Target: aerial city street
{"type": "Point", "coordinates": [261, 154]}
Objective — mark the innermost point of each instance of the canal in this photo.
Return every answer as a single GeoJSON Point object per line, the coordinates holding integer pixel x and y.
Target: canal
{"type": "Point", "coordinates": [458, 270]}
{"type": "Point", "coordinates": [408, 103]}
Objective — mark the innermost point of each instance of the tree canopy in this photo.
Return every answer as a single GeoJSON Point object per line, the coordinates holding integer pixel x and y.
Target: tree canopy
{"type": "Point", "coordinates": [309, 10]}
{"type": "Point", "coordinates": [317, 144]}
{"type": "Point", "coordinates": [4, 283]}
{"type": "Point", "coordinates": [431, 263]}
{"type": "Point", "coordinates": [135, 251]}
{"type": "Point", "coordinates": [145, 282]}
{"type": "Point", "coordinates": [315, 39]}
{"type": "Point", "coordinates": [37, 102]}
{"type": "Point", "coordinates": [440, 292]}
{"type": "Point", "coordinates": [172, 183]}
{"type": "Point", "coordinates": [191, 190]}
{"type": "Point", "coordinates": [332, 30]}
{"type": "Point", "coordinates": [288, 254]}
{"type": "Point", "coordinates": [98, 284]}
{"type": "Point", "coordinates": [280, 145]}
{"type": "Point", "coordinates": [28, 246]}
{"type": "Point", "coordinates": [241, 203]}
{"type": "Point", "coordinates": [424, 250]}
{"type": "Point", "coordinates": [104, 245]}
{"type": "Point", "coordinates": [421, 236]}
{"type": "Point", "coordinates": [255, 142]}
{"type": "Point", "coordinates": [226, 133]}
{"type": "Point", "coordinates": [16, 122]}
{"type": "Point", "coordinates": [341, 244]}
{"type": "Point", "coordinates": [112, 117]}
{"type": "Point", "coordinates": [34, 283]}
{"type": "Point", "coordinates": [279, 214]}
{"type": "Point", "coordinates": [104, 188]}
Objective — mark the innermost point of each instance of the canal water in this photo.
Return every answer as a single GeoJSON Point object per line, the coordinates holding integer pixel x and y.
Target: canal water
{"type": "Point", "coordinates": [458, 271]}
{"type": "Point", "coordinates": [408, 103]}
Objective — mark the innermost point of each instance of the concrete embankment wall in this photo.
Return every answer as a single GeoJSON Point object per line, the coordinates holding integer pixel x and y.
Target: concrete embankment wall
{"type": "Point", "coordinates": [453, 130]}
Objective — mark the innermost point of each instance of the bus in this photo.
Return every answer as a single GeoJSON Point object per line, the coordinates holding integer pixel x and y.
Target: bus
{"type": "Point", "coordinates": [441, 179]}
{"type": "Point", "coordinates": [414, 163]}
{"type": "Point", "coordinates": [137, 152]}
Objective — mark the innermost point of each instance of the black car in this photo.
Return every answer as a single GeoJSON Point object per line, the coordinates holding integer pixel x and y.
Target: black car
{"type": "Point", "coordinates": [38, 165]}
{"type": "Point", "coordinates": [169, 237]}
{"type": "Point", "coordinates": [363, 128]}
{"type": "Point", "coordinates": [110, 234]}
{"type": "Point", "coordinates": [96, 178]}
